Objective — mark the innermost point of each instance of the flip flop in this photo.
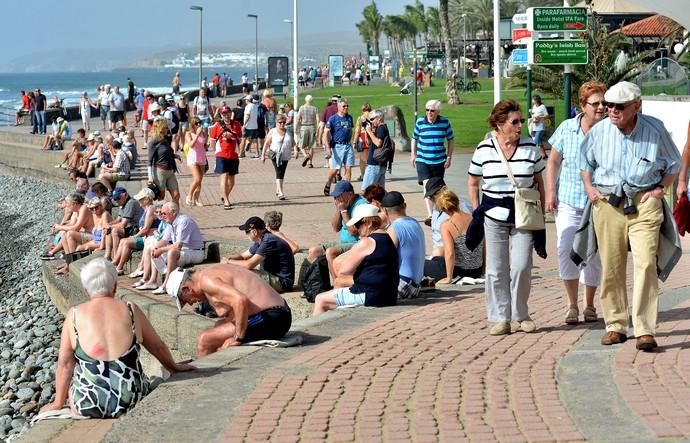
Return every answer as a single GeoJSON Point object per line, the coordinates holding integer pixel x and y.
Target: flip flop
{"type": "Point", "coordinates": [227, 207]}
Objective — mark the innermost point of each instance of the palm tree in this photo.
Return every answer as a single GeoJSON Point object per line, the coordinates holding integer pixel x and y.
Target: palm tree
{"type": "Point", "coordinates": [451, 92]}
{"type": "Point", "coordinates": [433, 22]}
{"type": "Point", "coordinates": [398, 29]}
{"type": "Point", "coordinates": [416, 15]}
{"type": "Point", "coordinates": [371, 26]}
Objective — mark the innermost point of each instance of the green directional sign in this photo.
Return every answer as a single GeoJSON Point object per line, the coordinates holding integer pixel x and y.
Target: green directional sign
{"type": "Point", "coordinates": [558, 52]}
{"type": "Point", "coordinates": [420, 53]}
{"type": "Point", "coordinates": [556, 19]}
{"type": "Point", "coordinates": [435, 54]}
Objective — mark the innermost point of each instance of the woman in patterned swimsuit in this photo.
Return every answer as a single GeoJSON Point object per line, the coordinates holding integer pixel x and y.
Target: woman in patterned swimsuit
{"type": "Point", "coordinates": [99, 350]}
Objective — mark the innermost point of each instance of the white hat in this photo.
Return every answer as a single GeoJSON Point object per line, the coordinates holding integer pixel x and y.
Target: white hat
{"type": "Point", "coordinates": [96, 133]}
{"type": "Point", "coordinates": [361, 211]}
{"type": "Point", "coordinates": [175, 280]}
{"type": "Point", "coordinates": [145, 193]}
{"type": "Point", "coordinates": [60, 119]}
{"type": "Point", "coordinates": [91, 137]}
{"type": "Point", "coordinates": [154, 107]}
{"type": "Point", "coordinates": [623, 92]}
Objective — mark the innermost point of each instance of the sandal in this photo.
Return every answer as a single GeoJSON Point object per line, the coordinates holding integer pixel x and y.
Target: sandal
{"type": "Point", "coordinates": [227, 207]}
{"type": "Point", "coordinates": [590, 314]}
{"type": "Point", "coordinates": [427, 284]}
{"type": "Point", "coordinates": [572, 317]}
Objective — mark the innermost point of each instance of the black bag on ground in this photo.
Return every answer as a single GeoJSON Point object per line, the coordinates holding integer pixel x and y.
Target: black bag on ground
{"type": "Point", "coordinates": [316, 279]}
{"type": "Point", "coordinates": [74, 256]}
{"type": "Point", "coordinates": [385, 152]}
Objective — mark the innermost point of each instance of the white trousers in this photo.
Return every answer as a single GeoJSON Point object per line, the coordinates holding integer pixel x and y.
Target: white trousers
{"type": "Point", "coordinates": [567, 222]}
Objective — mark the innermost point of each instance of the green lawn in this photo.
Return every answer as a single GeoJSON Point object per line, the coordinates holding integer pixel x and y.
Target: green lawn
{"type": "Point", "coordinates": [468, 119]}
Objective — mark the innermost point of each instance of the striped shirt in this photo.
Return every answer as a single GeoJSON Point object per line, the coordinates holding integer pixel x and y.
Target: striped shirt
{"type": "Point", "coordinates": [307, 115]}
{"type": "Point", "coordinates": [525, 162]}
{"type": "Point", "coordinates": [567, 141]}
{"type": "Point", "coordinates": [430, 138]}
{"type": "Point", "coordinates": [640, 159]}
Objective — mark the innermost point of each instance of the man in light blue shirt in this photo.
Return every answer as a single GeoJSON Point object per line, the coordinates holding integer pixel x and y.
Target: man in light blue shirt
{"type": "Point", "coordinates": [408, 236]}
{"type": "Point", "coordinates": [627, 161]}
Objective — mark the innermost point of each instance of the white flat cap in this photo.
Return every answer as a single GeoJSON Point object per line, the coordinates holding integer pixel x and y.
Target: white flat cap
{"type": "Point", "coordinates": [623, 92]}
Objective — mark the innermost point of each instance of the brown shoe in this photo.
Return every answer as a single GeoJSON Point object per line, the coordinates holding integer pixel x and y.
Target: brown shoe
{"type": "Point", "coordinates": [645, 343]}
{"type": "Point", "coordinates": [613, 338]}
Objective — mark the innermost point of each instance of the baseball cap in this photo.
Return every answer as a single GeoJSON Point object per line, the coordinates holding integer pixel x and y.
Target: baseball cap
{"type": "Point", "coordinates": [341, 187]}
{"type": "Point", "coordinates": [253, 223]}
{"type": "Point", "coordinates": [91, 137]}
{"type": "Point", "coordinates": [175, 281]}
{"type": "Point", "coordinates": [169, 98]}
{"type": "Point", "coordinates": [335, 97]}
{"type": "Point", "coordinates": [118, 192]}
{"type": "Point", "coordinates": [154, 107]}
{"type": "Point", "coordinates": [391, 199]}
{"type": "Point", "coordinates": [60, 119]}
{"type": "Point", "coordinates": [623, 92]}
{"type": "Point", "coordinates": [361, 211]}
{"type": "Point", "coordinates": [433, 185]}
{"type": "Point", "coordinates": [225, 109]}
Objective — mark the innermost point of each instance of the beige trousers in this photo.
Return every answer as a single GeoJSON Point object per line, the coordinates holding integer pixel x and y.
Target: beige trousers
{"type": "Point", "coordinates": [614, 231]}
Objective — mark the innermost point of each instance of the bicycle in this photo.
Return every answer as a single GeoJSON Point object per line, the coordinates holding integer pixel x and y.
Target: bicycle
{"type": "Point", "coordinates": [471, 86]}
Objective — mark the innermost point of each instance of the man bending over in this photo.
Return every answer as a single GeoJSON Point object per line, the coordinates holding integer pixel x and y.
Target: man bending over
{"type": "Point", "coordinates": [249, 308]}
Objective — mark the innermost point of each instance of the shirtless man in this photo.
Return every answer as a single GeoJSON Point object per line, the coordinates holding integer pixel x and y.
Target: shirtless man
{"type": "Point", "coordinates": [252, 310]}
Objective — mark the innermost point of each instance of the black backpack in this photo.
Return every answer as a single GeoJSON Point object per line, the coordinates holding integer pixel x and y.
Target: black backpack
{"type": "Point", "coordinates": [385, 153]}
{"type": "Point", "coordinates": [316, 279]}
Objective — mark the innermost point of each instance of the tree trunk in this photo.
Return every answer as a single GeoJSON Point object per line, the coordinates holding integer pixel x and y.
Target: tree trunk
{"type": "Point", "coordinates": [451, 91]}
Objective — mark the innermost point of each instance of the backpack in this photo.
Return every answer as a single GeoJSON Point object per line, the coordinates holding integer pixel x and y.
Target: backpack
{"type": "Point", "coordinates": [385, 153]}
{"type": "Point", "coordinates": [316, 279]}
{"type": "Point", "coordinates": [261, 116]}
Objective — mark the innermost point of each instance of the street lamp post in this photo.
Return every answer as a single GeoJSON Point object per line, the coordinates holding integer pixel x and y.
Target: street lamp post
{"type": "Point", "coordinates": [256, 45]}
{"type": "Point", "coordinates": [294, 60]}
{"type": "Point", "coordinates": [201, 38]}
{"type": "Point", "coordinates": [464, 49]}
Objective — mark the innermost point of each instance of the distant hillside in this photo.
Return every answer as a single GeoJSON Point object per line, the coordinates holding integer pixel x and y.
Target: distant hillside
{"type": "Point", "coordinates": [313, 49]}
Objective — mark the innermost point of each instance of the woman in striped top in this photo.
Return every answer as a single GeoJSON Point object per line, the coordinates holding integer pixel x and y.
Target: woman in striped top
{"type": "Point", "coordinates": [508, 249]}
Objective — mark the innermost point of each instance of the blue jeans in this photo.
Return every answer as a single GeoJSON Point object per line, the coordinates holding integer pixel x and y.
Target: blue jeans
{"type": "Point", "coordinates": [374, 175]}
{"type": "Point", "coordinates": [40, 121]}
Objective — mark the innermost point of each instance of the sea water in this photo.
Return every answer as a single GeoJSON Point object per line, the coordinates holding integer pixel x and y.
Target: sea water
{"type": "Point", "coordinates": [69, 86]}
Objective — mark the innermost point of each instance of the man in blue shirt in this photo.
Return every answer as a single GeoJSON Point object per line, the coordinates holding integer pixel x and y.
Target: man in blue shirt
{"type": "Point", "coordinates": [627, 160]}
{"type": "Point", "coordinates": [408, 236]}
{"type": "Point", "coordinates": [338, 147]}
{"type": "Point", "coordinates": [273, 254]}
{"type": "Point", "coordinates": [428, 155]}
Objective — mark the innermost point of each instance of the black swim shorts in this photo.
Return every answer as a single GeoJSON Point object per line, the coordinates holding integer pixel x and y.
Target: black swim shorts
{"type": "Point", "coordinates": [227, 166]}
{"type": "Point", "coordinates": [270, 324]}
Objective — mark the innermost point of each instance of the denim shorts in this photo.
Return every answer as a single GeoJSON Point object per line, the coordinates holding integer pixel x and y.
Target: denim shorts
{"type": "Point", "coordinates": [343, 297]}
{"type": "Point", "coordinates": [343, 156]}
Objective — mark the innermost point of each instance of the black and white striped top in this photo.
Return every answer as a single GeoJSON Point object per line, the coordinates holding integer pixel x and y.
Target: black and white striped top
{"type": "Point", "coordinates": [525, 162]}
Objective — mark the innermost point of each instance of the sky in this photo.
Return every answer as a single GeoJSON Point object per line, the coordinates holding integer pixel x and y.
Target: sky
{"type": "Point", "coordinates": [156, 24]}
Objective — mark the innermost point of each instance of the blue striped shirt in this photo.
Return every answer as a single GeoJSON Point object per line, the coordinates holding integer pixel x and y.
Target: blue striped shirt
{"type": "Point", "coordinates": [567, 141]}
{"type": "Point", "coordinates": [640, 159]}
{"type": "Point", "coordinates": [430, 138]}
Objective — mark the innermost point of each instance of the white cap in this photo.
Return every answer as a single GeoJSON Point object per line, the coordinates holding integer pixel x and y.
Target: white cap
{"type": "Point", "coordinates": [361, 211]}
{"type": "Point", "coordinates": [91, 137]}
{"type": "Point", "coordinates": [623, 92]}
{"type": "Point", "coordinates": [154, 107]}
{"type": "Point", "coordinates": [175, 280]}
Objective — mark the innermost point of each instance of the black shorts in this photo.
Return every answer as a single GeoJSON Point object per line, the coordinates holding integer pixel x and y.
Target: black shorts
{"type": "Point", "coordinates": [251, 134]}
{"type": "Point", "coordinates": [227, 166]}
{"type": "Point", "coordinates": [269, 324]}
{"type": "Point", "coordinates": [116, 116]}
{"type": "Point", "coordinates": [426, 171]}
{"type": "Point", "coordinates": [280, 170]}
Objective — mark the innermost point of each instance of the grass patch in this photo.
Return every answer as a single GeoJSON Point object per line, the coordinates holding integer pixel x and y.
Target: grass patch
{"type": "Point", "coordinates": [468, 119]}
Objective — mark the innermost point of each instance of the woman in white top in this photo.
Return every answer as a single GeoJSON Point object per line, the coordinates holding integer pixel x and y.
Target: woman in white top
{"type": "Point", "coordinates": [279, 146]}
{"type": "Point", "coordinates": [85, 106]}
{"type": "Point", "coordinates": [537, 124]}
{"type": "Point", "coordinates": [508, 249]}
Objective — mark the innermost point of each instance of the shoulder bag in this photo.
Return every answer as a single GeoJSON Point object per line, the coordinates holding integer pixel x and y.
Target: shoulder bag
{"type": "Point", "coordinates": [528, 212]}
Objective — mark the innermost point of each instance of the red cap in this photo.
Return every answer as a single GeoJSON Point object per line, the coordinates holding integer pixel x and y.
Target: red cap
{"type": "Point", "coordinates": [225, 109]}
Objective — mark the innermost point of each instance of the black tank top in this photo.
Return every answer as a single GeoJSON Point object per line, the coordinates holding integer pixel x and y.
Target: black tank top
{"type": "Point", "coordinates": [377, 276]}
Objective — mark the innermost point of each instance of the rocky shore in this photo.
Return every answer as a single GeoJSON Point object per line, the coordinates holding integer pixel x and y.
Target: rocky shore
{"type": "Point", "coordinates": [29, 323]}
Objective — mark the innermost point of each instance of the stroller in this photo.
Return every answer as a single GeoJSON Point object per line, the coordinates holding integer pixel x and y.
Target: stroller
{"type": "Point", "coordinates": [405, 90]}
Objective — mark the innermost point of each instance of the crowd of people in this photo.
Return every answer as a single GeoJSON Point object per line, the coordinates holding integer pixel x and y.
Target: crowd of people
{"type": "Point", "coordinates": [601, 204]}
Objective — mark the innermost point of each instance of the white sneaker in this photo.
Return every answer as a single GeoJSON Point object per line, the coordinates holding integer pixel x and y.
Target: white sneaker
{"type": "Point", "coordinates": [136, 274]}
{"type": "Point", "coordinates": [159, 290]}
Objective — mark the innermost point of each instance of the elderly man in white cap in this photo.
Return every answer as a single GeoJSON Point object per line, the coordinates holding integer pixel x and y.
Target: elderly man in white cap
{"type": "Point", "coordinates": [627, 160]}
{"type": "Point", "coordinates": [250, 309]}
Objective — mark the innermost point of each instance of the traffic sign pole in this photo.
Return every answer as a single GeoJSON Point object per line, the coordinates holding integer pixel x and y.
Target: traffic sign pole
{"type": "Point", "coordinates": [414, 82]}
{"type": "Point", "coordinates": [567, 78]}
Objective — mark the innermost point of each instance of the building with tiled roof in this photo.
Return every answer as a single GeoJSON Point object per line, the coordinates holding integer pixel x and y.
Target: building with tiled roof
{"type": "Point", "coordinates": [654, 26]}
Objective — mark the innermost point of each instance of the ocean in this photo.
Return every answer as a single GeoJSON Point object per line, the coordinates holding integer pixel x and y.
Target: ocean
{"type": "Point", "coordinates": [70, 85]}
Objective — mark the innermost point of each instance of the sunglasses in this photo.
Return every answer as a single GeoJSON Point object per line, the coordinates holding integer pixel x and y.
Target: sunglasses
{"type": "Point", "coordinates": [616, 106]}
{"type": "Point", "coordinates": [281, 122]}
{"type": "Point", "coordinates": [164, 213]}
{"type": "Point", "coordinates": [517, 121]}
{"type": "Point", "coordinates": [430, 110]}
{"type": "Point", "coordinates": [93, 208]}
{"type": "Point", "coordinates": [345, 106]}
{"type": "Point", "coordinates": [359, 224]}
{"type": "Point", "coordinates": [597, 104]}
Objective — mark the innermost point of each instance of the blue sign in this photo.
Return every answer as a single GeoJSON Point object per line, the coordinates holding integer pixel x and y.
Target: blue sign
{"type": "Point", "coordinates": [520, 57]}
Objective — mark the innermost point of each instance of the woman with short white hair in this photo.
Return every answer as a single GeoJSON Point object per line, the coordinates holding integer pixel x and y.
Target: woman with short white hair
{"type": "Point", "coordinates": [99, 372]}
{"type": "Point", "coordinates": [305, 129]}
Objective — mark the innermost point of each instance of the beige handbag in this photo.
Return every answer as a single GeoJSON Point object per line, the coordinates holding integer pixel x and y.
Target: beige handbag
{"type": "Point", "coordinates": [528, 212]}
